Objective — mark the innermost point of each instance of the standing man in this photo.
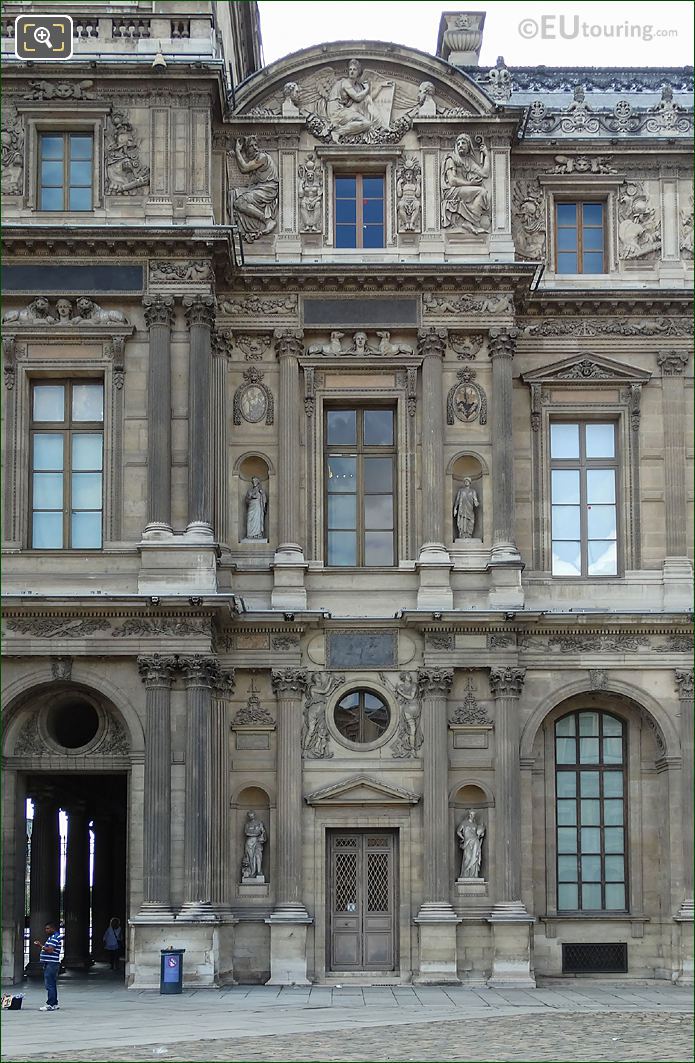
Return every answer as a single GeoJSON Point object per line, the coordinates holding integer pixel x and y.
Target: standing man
{"type": "Point", "coordinates": [50, 961]}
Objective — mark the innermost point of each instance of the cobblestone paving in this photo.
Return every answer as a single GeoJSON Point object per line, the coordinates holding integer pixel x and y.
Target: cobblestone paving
{"type": "Point", "coordinates": [623, 1037]}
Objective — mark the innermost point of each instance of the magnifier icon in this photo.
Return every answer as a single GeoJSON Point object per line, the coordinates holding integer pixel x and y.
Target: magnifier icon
{"type": "Point", "coordinates": [43, 36]}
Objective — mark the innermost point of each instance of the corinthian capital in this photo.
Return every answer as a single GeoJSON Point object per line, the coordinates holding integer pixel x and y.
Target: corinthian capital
{"type": "Point", "coordinates": [672, 363]}
{"type": "Point", "coordinates": [156, 670]}
{"type": "Point", "coordinates": [684, 685]}
{"type": "Point", "coordinates": [502, 342]}
{"type": "Point", "coordinates": [224, 685]}
{"type": "Point", "coordinates": [434, 681]}
{"type": "Point", "coordinates": [199, 671]}
{"type": "Point", "coordinates": [158, 310]}
{"type": "Point", "coordinates": [289, 681]}
{"type": "Point", "coordinates": [200, 309]}
{"type": "Point", "coordinates": [507, 682]}
{"type": "Point", "coordinates": [431, 342]}
{"type": "Point", "coordinates": [288, 342]}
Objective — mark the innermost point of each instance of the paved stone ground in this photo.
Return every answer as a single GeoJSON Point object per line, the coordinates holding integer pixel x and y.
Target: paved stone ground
{"type": "Point", "coordinates": [99, 1020]}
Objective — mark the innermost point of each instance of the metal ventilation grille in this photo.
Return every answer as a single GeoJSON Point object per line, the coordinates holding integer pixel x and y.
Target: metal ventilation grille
{"type": "Point", "coordinates": [606, 958]}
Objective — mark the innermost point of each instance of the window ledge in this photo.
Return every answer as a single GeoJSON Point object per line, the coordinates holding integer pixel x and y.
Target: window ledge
{"type": "Point", "coordinates": [605, 917]}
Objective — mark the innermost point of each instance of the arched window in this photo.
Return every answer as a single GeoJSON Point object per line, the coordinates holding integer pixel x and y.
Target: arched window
{"type": "Point", "coordinates": [590, 812]}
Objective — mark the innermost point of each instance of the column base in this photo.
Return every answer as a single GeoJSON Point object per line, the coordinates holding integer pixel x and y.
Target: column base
{"type": "Point", "coordinates": [153, 912]}
{"type": "Point", "coordinates": [157, 531]}
{"type": "Point", "coordinates": [434, 568]}
{"type": "Point", "coordinates": [289, 566]}
{"type": "Point", "coordinates": [678, 584]}
{"type": "Point", "coordinates": [437, 922]}
{"type": "Point", "coordinates": [684, 973]}
{"type": "Point", "coordinates": [288, 954]}
{"type": "Point", "coordinates": [208, 960]}
{"type": "Point", "coordinates": [512, 966]}
{"type": "Point", "coordinates": [199, 531]}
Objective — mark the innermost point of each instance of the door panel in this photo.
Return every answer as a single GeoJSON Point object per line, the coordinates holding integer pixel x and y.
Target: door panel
{"type": "Point", "coordinates": [361, 901]}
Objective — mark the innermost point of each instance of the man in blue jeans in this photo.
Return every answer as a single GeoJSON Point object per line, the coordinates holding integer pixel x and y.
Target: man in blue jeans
{"type": "Point", "coordinates": [50, 961]}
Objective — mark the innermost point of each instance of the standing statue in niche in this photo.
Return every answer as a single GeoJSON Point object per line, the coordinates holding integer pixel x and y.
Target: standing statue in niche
{"type": "Point", "coordinates": [252, 862]}
{"type": "Point", "coordinates": [464, 509]}
{"type": "Point", "coordinates": [470, 835]}
{"type": "Point", "coordinates": [256, 206]}
{"type": "Point", "coordinates": [256, 504]}
{"type": "Point", "coordinates": [465, 200]}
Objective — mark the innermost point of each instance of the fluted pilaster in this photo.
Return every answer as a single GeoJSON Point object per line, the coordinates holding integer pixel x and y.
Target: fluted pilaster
{"type": "Point", "coordinates": [201, 675]}
{"type": "Point", "coordinates": [157, 673]}
{"type": "Point", "coordinates": [502, 343]}
{"type": "Point", "coordinates": [506, 685]}
{"type": "Point", "coordinates": [434, 684]}
{"type": "Point", "coordinates": [289, 685]}
{"type": "Point", "coordinates": [684, 687]}
{"type": "Point", "coordinates": [220, 855]}
{"type": "Point", "coordinates": [288, 347]}
{"type": "Point", "coordinates": [673, 365]}
{"type": "Point", "coordinates": [159, 317]}
{"type": "Point", "coordinates": [431, 346]}
{"type": "Point", "coordinates": [200, 315]}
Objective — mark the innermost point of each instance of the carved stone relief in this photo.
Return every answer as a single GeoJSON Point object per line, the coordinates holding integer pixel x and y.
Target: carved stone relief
{"type": "Point", "coordinates": [660, 326]}
{"type": "Point", "coordinates": [12, 152]}
{"type": "Point", "coordinates": [61, 668]}
{"type": "Point", "coordinates": [360, 346]}
{"type": "Point", "coordinates": [465, 347]}
{"type": "Point", "coordinates": [500, 81]}
{"type": "Point", "coordinates": [466, 400]}
{"type": "Point", "coordinates": [253, 346]}
{"type": "Point", "coordinates": [409, 195]}
{"type": "Point", "coordinates": [487, 303]}
{"type": "Point", "coordinates": [357, 107]}
{"type": "Point", "coordinates": [255, 206]}
{"type": "Point", "coordinates": [686, 237]}
{"type": "Point", "coordinates": [256, 305]}
{"type": "Point", "coordinates": [125, 172]}
{"type": "Point", "coordinates": [253, 712]}
{"type": "Point", "coordinates": [582, 164]}
{"type": "Point", "coordinates": [310, 195]}
{"type": "Point", "coordinates": [315, 737]}
{"type": "Point", "coordinates": [86, 312]}
{"type": "Point", "coordinates": [528, 221]}
{"type": "Point", "coordinates": [59, 90]}
{"type": "Point", "coordinates": [173, 271]}
{"type": "Point", "coordinates": [408, 737]}
{"type": "Point", "coordinates": [598, 678]}
{"type": "Point", "coordinates": [253, 400]}
{"type": "Point", "coordinates": [639, 229]}
{"type": "Point", "coordinates": [465, 200]}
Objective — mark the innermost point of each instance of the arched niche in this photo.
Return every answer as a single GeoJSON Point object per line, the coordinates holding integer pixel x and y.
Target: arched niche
{"type": "Point", "coordinates": [250, 799]}
{"type": "Point", "coordinates": [462, 467]}
{"type": "Point", "coordinates": [475, 796]}
{"type": "Point", "coordinates": [253, 498]}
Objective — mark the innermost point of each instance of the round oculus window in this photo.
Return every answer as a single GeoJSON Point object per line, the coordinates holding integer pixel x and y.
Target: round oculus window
{"type": "Point", "coordinates": [72, 724]}
{"type": "Point", "coordinates": [361, 717]}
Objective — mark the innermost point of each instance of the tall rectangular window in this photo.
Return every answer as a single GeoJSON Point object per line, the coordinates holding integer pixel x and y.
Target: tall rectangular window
{"type": "Point", "coordinates": [583, 491]}
{"type": "Point", "coordinates": [359, 210]}
{"type": "Point", "coordinates": [590, 812]}
{"type": "Point", "coordinates": [66, 171]}
{"type": "Point", "coordinates": [580, 237]}
{"type": "Point", "coordinates": [360, 494]}
{"type": "Point", "coordinates": [67, 461]}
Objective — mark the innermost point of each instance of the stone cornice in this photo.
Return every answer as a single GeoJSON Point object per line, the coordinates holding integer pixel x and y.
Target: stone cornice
{"type": "Point", "coordinates": [99, 242]}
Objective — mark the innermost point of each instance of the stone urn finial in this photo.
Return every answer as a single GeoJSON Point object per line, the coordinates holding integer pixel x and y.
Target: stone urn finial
{"type": "Point", "coordinates": [461, 37]}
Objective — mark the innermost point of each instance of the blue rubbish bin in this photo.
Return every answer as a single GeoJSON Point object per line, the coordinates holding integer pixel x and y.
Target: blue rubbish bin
{"type": "Point", "coordinates": [171, 971]}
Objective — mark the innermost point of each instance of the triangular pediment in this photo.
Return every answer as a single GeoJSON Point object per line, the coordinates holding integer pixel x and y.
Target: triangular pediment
{"type": "Point", "coordinates": [589, 369]}
{"type": "Point", "coordinates": [361, 790]}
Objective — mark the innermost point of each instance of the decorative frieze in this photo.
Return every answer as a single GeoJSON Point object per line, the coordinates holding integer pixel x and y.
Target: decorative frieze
{"type": "Point", "coordinates": [257, 306]}
{"type": "Point", "coordinates": [60, 90]}
{"type": "Point", "coordinates": [178, 271]}
{"type": "Point", "coordinates": [487, 303]}
{"type": "Point", "coordinates": [611, 326]}
{"type": "Point", "coordinates": [86, 312]}
{"type": "Point", "coordinates": [360, 346]}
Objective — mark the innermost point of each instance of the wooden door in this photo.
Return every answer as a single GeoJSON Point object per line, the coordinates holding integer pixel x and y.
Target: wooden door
{"type": "Point", "coordinates": [361, 901]}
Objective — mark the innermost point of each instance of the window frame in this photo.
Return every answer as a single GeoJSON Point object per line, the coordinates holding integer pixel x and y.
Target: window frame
{"type": "Point", "coordinates": [66, 428]}
{"type": "Point", "coordinates": [581, 201]}
{"type": "Point", "coordinates": [358, 449]}
{"type": "Point", "coordinates": [65, 187]}
{"type": "Point", "coordinates": [583, 465]}
{"type": "Point", "coordinates": [359, 175]}
{"type": "Point", "coordinates": [600, 767]}
{"type": "Point", "coordinates": [362, 693]}
{"type": "Point", "coordinates": [89, 120]}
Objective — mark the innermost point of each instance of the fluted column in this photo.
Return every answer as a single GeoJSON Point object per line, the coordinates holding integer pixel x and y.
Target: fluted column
{"type": "Point", "coordinates": [200, 674]}
{"type": "Point", "coordinates": [431, 346]}
{"type": "Point", "coordinates": [501, 344]}
{"type": "Point", "coordinates": [76, 897]}
{"type": "Point", "coordinates": [218, 439]}
{"type": "Point", "coordinates": [44, 881]}
{"type": "Point", "coordinates": [684, 686]}
{"type": "Point", "coordinates": [200, 315]}
{"type": "Point", "coordinates": [159, 316]}
{"type": "Point", "coordinates": [506, 685]}
{"type": "Point", "coordinates": [220, 857]}
{"type": "Point", "coordinates": [288, 347]}
{"type": "Point", "coordinates": [434, 685]}
{"type": "Point", "coordinates": [289, 686]}
{"type": "Point", "coordinates": [157, 673]}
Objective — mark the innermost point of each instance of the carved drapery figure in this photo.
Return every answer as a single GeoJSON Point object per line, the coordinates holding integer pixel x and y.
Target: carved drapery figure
{"type": "Point", "coordinates": [252, 862]}
{"type": "Point", "coordinates": [639, 230]}
{"type": "Point", "coordinates": [465, 200]}
{"type": "Point", "coordinates": [351, 106]}
{"type": "Point", "coordinates": [408, 737]}
{"type": "Point", "coordinates": [426, 104]}
{"type": "Point", "coordinates": [12, 153]}
{"type": "Point", "coordinates": [255, 207]}
{"type": "Point", "coordinates": [256, 502]}
{"type": "Point", "coordinates": [125, 171]}
{"type": "Point", "coordinates": [470, 835]}
{"type": "Point", "coordinates": [464, 509]}
{"type": "Point", "coordinates": [315, 732]}
{"type": "Point", "coordinates": [310, 193]}
{"type": "Point", "coordinates": [408, 194]}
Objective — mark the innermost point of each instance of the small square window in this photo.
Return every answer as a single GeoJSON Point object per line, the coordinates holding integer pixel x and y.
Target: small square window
{"type": "Point", "coordinates": [580, 237]}
{"type": "Point", "coordinates": [359, 210]}
{"type": "Point", "coordinates": [66, 171]}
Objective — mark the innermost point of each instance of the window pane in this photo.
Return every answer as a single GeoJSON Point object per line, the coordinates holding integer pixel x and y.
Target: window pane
{"type": "Point", "coordinates": [566, 522]}
{"type": "Point", "coordinates": [87, 450]}
{"type": "Point", "coordinates": [591, 839]}
{"type": "Point", "coordinates": [378, 548]}
{"type": "Point", "coordinates": [601, 522]}
{"type": "Point", "coordinates": [613, 784]}
{"type": "Point", "coordinates": [588, 724]}
{"type": "Point", "coordinates": [566, 726]}
{"type": "Point", "coordinates": [566, 784]}
{"type": "Point", "coordinates": [49, 402]}
{"type": "Point", "coordinates": [342, 475]}
{"type": "Point", "coordinates": [567, 239]}
{"type": "Point", "coordinates": [47, 531]}
{"type": "Point", "coordinates": [378, 511]}
{"type": "Point", "coordinates": [592, 240]}
{"type": "Point", "coordinates": [345, 236]}
{"type": "Point", "coordinates": [80, 199]}
{"type": "Point", "coordinates": [591, 897]}
{"type": "Point", "coordinates": [51, 147]}
{"type": "Point", "coordinates": [88, 402]}
{"type": "Point", "coordinates": [378, 428]}
{"type": "Point", "coordinates": [81, 173]}
{"type": "Point", "coordinates": [591, 868]}
{"type": "Point", "coordinates": [565, 486]}
{"type": "Point", "coordinates": [52, 174]}
{"type": "Point", "coordinates": [51, 199]}
{"type": "Point", "coordinates": [588, 750]}
{"type": "Point", "coordinates": [612, 725]}
{"type": "Point", "coordinates": [566, 751]}
{"type": "Point", "coordinates": [615, 897]}
{"type": "Point", "coordinates": [600, 485]}
{"type": "Point", "coordinates": [48, 451]}
{"type": "Point", "coordinates": [346, 211]}
{"type": "Point", "coordinates": [603, 558]}
{"type": "Point", "coordinates": [373, 186]}
{"type": "Point", "coordinates": [373, 236]}
{"type": "Point", "coordinates": [567, 558]}
{"type": "Point", "coordinates": [86, 531]}
{"type": "Point", "coordinates": [48, 490]}
{"type": "Point", "coordinates": [614, 841]}
{"type": "Point", "coordinates": [567, 869]}
{"type": "Point", "coordinates": [588, 784]}
{"type": "Point", "coordinates": [566, 213]}
{"type": "Point", "coordinates": [86, 490]}
{"type": "Point", "coordinates": [80, 147]}
{"type": "Point", "coordinates": [564, 443]}
{"type": "Point", "coordinates": [342, 548]}
{"type": "Point", "coordinates": [591, 813]}
{"type": "Point", "coordinates": [615, 868]}
{"type": "Point", "coordinates": [342, 511]}
{"type": "Point", "coordinates": [566, 840]}
{"type": "Point", "coordinates": [341, 427]}
{"type": "Point", "coordinates": [567, 897]}
{"type": "Point", "coordinates": [373, 211]}
{"type": "Point", "coordinates": [345, 186]}
{"type": "Point", "coordinates": [567, 813]}
{"type": "Point", "coordinates": [613, 812]}
{"type": "Point", "coordinates": [592, 262]}
{"type": "Point", "coordinates": [592, 213]}
{"type": "Point", "coordinates": [567, 263]}
{"type": "Point", "coordinates": [612, 750]}
{"type": "Point", "coordinates": [378, 474]}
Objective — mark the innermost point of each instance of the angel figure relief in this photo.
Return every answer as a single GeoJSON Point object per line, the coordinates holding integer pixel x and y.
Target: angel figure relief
{"type": "Point", "coordinates": [356, 108]}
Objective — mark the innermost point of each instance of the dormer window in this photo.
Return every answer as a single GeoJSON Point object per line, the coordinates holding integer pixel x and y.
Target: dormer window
{"type": "Point", "coordinates": [359, 210]}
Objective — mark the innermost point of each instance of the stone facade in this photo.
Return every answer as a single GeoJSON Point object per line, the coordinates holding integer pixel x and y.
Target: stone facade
{"type": "Point", "coordinates": [209, 634]}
